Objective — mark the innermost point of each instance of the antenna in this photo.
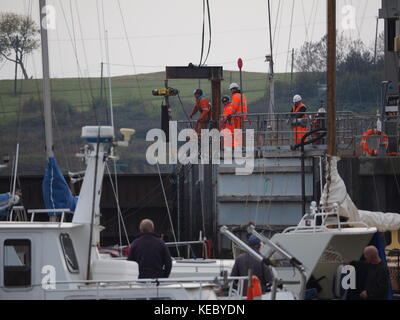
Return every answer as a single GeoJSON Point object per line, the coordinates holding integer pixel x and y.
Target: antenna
{"type": "Point", "coordinates": [109, 80]}
{"type": "Point", "coordinates": [15, 171]}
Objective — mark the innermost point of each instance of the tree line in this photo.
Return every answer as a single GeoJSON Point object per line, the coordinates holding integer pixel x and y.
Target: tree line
{"type": "Point", "coordinates": [359, 67]}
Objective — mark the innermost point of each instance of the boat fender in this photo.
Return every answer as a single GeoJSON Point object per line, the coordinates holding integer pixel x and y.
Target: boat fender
{"type": "Point", "coordinates": [254, 291]}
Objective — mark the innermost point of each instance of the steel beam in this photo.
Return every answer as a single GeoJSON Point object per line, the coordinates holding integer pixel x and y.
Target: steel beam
{"type": "Point", "coordinates": [193, 72]}
{"type": "Point", "coordinates": [214, 74]}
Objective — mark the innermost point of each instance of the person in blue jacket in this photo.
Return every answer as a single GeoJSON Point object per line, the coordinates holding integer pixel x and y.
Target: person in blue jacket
{"type": "Point", "coordinates": [150, 252]}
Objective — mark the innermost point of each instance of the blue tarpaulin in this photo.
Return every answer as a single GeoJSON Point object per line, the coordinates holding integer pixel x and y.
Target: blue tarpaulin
{"type": "Point", "coordinates": [5, 203]}
{"type": "Point", "coordinates": [56, 192]}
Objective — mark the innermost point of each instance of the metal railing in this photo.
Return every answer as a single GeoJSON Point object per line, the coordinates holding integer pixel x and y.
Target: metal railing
{"type": "Point", "coordinates": [318, 221]}
{"type": "Point", "coordinates": [189, 247]}
{"type": "Point", "coordinates": [53, 213]}
{"type": "Point", "coordinates": [276, 281]}
{"type": "Point", "coordinates": [277, 129]}
{"type": "Point", "coordinates": [233, 287]}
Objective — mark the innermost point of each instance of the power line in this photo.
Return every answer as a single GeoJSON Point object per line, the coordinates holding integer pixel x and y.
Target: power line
{"type": "Point", "coordinates": [130, 51]}
{"type": "Point", "coordinates": [205, 5]}
{"type": "Point", "coordinates": [290, 36]}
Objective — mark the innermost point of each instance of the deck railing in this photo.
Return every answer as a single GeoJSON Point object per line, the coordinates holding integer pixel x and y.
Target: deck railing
{"type": "Point", "coordinates": [276, 130]}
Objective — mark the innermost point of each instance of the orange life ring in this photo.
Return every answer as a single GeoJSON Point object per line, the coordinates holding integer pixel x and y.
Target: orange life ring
{"type": "Point", "coordinates": [371, 132]}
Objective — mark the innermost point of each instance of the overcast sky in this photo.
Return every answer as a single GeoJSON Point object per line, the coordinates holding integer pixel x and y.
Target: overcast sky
{"type": "Point", "coordinates": [160, 33]}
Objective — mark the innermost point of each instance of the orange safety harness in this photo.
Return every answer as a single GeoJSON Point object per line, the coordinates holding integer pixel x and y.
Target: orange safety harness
{"type": "Point", "coordinates": [371, 132]}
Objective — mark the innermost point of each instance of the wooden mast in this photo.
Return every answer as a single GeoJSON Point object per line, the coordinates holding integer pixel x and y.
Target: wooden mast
{"type": "Point", "coordinates": [331, 77]}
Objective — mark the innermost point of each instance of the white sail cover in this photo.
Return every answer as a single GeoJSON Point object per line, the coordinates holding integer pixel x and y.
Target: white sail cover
{"type": "Point", "coordinates": [335, 192]}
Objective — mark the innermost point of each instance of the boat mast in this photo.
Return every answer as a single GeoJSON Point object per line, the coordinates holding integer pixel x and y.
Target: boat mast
{"type": "Point", "coordinates": [46, 80]}
{"type": "Point", "coordinates": [270, 60]}
{"type": "Point", "coordinates": [331, 77]}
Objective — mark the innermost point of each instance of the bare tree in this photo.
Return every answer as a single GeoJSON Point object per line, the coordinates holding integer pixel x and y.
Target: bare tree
{"type": "Point", "coordinates": [311, 57]}
{"type": "Point", "coordinates": [18, 37]}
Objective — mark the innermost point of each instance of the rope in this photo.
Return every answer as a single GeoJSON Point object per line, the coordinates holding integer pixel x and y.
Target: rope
{"type": "Point", "coordinates": [116, 194]}
{"type": "Point", "coordinates": [290, 36]}
{"type": "Point", "coordinates": [166, 203]}
{"type": "Point", "coordinates": [74, 49]}
{"type": "Point", "coordinates": [202, 198]}
{"type": "Point", "coordinates": [85, 55]}
{"type": "Point", "coordinates": [276, 20]}
{"type": "Point", "coordinates": [315, 20]}
{"type": "Point", "coordinates": [99, 30]}
{"type": "Point", "coordinates": [205, 5]}
{"type": "Point", "coordinates": [395, 176]}
{"type": "Point", "coordinates": [130, 52]}
{"type": "Point", "coordinates": [184, 111]}
{"type": "Point", "coordinates": [120, 216]}
{"type": "Point", "coordinates": [376, 193]}
{"type": "Point", "coordinates": [209, 30]}
{"type": "Point", "coordinates": [202, 36]}
{"type": "Point", "coordinates": [304, 14]}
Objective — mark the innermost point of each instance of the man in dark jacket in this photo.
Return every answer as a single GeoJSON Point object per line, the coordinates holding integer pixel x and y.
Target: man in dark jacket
{"type": "Point", "coordinates": [245, 262]}
{"type": "Point", "coordinates": [151, 253]}
{"type": "Point", "coordinates": [377, 284]}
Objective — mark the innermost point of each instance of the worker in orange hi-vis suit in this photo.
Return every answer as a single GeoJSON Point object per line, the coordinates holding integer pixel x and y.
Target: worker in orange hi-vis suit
{"type": "Point", "coordinates": [299, 117]}
{"type": "Point", "coordinates": [228, 124]}
{"type": "Point", "coordinates": [239, 102]}
{"type": "Point", "coordinates": [203, 106]}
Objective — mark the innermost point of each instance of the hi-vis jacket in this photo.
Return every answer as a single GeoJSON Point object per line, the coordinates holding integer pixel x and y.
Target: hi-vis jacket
{"type": "Point", "coordinates": [203, 106]}
{"type": "Point", "coordinates": [237, 103]}
{"type": "Point", "coordinates": [300, 108]}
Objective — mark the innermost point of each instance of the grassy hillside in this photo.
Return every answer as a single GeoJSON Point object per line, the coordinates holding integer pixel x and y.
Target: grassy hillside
{"type": "Point", "coordinates": [79, 92]}
{"type": "Point", "coordinates": [76, 102]}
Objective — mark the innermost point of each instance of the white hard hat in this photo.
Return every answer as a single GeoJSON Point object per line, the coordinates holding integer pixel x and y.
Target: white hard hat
{"type": "Point", "coordinates": [297, 98]}
{"type": "Point", "coordinates": [321, 110]}
{"type": "Point", "coordinates": [233, 86]}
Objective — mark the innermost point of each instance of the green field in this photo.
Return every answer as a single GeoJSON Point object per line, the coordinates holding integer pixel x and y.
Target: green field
{"type": "Point", "coordinates": [76, 103]}
{"type": "Point", "coordinates": [79, 92]}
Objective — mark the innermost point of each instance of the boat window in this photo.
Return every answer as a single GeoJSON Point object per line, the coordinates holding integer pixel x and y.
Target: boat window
{"type": "Point", "coordinates": [17, 263]}
{"type": "Point", "coordinates": [69, 253]}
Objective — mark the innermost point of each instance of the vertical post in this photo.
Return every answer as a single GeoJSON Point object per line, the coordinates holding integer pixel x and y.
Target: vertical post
{"type": "Point", "coordinates": [331, 77]}
{"type": "Point", "coordinates": [109, 81]}
{"type": "Point", "coordinates": [16, 66]}
{"type": "Point", "coordinates": [271, 65]}
{"type": "Point", "coordinates": [376, 39]}
{"type": "Point", "coordinates": [303, 179]}
{"type": "Point", "coordinates": [240, 65]}
{"type": "Point", "coordinates": [271, 87]}
{"type": "Point", "coordinates": [15, 75]}
{"type": "Point", "coordinates": [216, 99]}
{"type": "Point", "coordinates": [101, 82]}
{"type": "Point", "coordinates": [178, 206]}
{"type": "Point", "coordinates": [46, 80]}
{"type": "Point", "coordinates": [291, 73]}
{"type": "Point", "coordinates": [15, 171]}
{"type": "Point", "coordinates": [384, 89]}
{"type": "Point", "coordinates": [165, 114]}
